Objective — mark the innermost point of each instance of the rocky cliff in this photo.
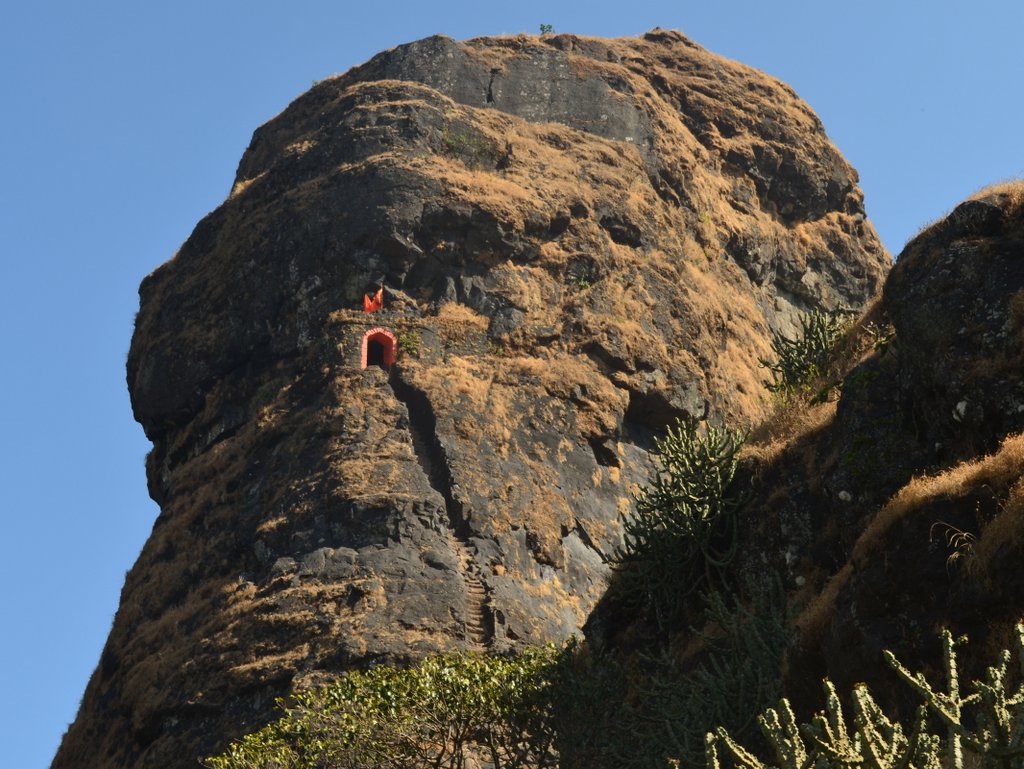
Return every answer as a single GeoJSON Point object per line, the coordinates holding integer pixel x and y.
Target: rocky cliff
{"type": "Point", "coordinates": [889, 506]}
{"type": "Point", "coordinates": [926, 443]}
{"type": "Point", "coordinates": [579, 239]}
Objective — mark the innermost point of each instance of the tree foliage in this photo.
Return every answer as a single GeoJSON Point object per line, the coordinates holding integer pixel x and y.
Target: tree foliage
{"type": "Point", "coordinates": [439, 714]}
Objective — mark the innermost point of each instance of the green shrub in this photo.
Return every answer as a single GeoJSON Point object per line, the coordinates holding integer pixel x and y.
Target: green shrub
{"type": "Point", "coordinates": [809, 357]}
{"type": "Point", "coordinates": [409, 342]}
{"type": "Point", "coordinates": [635, 711]}
{"type": "Point", "coordinates": [470, 146]}
{"type": "Point", "coordinates": [739, 675]}
{"type": "Point", "coordinates": [436, 714]}
{"type": "Point", "coordinates": [683, 532]}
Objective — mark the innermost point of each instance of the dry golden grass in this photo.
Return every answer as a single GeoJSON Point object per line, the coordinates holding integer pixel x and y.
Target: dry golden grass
{"type": "Point", "coordinates": [459, 377]}
{"type": "Point", "coordinates": [243, 184]}
{"type": "Point", "coordinates": [454, 319]}
{"type": "Point", "coordinates": [814, 620]}
{"type": "Point", "coordinates": [1003, 472]}
{"type": "Point", "coordinates": [566, 376]}
{"type": "Point", "coordinates": [795, 420]}
{"type": "Point", "coordinates": [1004, 532]}
{"type": "Point", "coordinates": [1000, 470]}
{"type": "Point", "coordinates": [531, 289]}
{"type": "Point", "coordinates": [505, 200]}
{"type": "Point", "coordinates": [541, 178]}
{"type": "Point", "coordinates": [365, 476]}
{"type": "Point", "coordinates": [1009, 193]}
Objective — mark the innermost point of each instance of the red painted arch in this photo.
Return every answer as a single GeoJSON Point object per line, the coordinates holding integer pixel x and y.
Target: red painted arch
{"type": "Point", "coordinates": [386, 338]}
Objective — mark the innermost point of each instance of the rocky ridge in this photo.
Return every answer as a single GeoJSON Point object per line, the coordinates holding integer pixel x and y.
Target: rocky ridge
{"type": "Point", "coordinates": [884, 503]}
{"type": "Point", "coordinates": [581, 240]}
{"type": "Point", "coordinates": [926, 440]}
{"type": "Point", "coordinates": [893, 508]}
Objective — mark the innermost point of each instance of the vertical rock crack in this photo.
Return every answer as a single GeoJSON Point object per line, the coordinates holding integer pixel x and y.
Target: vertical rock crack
{"type": "Point", "coordinates": [479, 626]}
{"type": "Point", "coordinates": [490, 87]}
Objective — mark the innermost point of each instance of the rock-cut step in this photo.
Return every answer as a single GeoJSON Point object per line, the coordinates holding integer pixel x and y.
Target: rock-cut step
{"type": "Point", "coordinates": [478, 630]}
{"type": "Point", "coordinates": [422, 425]}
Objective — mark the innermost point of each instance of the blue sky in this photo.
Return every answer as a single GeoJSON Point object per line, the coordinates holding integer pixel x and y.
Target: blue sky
{"type": "Point", "coordinates": [122, 124]}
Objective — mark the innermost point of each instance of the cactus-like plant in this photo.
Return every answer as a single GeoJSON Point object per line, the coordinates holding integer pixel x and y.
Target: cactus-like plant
{"type": "Point", "coordinates": [994, 729]}
{"type": "Point", "coordinates": [988, 723]}
{"type": "Point", "coordinates": [682, 534]}
{"type": "Point", "coordinates": [807, 357]}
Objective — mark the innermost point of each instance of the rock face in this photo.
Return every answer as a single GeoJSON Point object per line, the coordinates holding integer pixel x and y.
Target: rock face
{"type": "Point", "coordinates": [899, 508]}
{"type": "Point", "coordinates": [957, 298]}
{"type": "Point", "coordinates": [580, 240]}
{"type": "Point", "coordinates": [943, 520]}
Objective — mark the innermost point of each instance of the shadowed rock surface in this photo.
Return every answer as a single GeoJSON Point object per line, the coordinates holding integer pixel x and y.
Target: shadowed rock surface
{"type": "Point", "coordinates": [883, 504]}
{"type": "Point", "coordinates": [897, 508]}
{"type": "Point", "coordinates": [927, 436]}
{"type": "Point", "coordinates": [581, 240]}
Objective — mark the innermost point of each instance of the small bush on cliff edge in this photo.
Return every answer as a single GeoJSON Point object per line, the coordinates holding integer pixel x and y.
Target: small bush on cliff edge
{"type": "Point", "coordinates": [808, 357]}
{"type": "Point", "coordinates": [437, 714]}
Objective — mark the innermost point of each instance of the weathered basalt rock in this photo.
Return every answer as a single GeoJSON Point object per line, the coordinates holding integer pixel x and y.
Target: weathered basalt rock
{"type": "Point", "coordinates": [899, 507]}
{"type": "Point", "coordinates": [942, 551]}
{"type": "Point", "coordinates": [581, 240]}
{"type": "Point", "coordinates": [956, 299]}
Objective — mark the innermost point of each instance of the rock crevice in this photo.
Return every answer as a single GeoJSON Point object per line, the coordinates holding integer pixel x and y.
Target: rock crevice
{"type": "Point", "coordinates": [479, 624]}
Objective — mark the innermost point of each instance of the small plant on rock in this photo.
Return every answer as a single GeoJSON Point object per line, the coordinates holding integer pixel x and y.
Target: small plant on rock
{"type": "Point", "coordinates": [809, 357]}
{"type": "Point", "coordinates": [409, 342]}
{"type": "Point", "coordinates": [470, 146]}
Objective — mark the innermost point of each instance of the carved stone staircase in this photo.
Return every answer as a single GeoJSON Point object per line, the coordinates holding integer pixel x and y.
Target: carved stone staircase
{"type": "Point", "coordinates": [478, 630]}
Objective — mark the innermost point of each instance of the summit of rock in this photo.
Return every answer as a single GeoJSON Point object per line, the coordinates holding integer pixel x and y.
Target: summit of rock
{"type": "Point", "coordinates": [579, 240]}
